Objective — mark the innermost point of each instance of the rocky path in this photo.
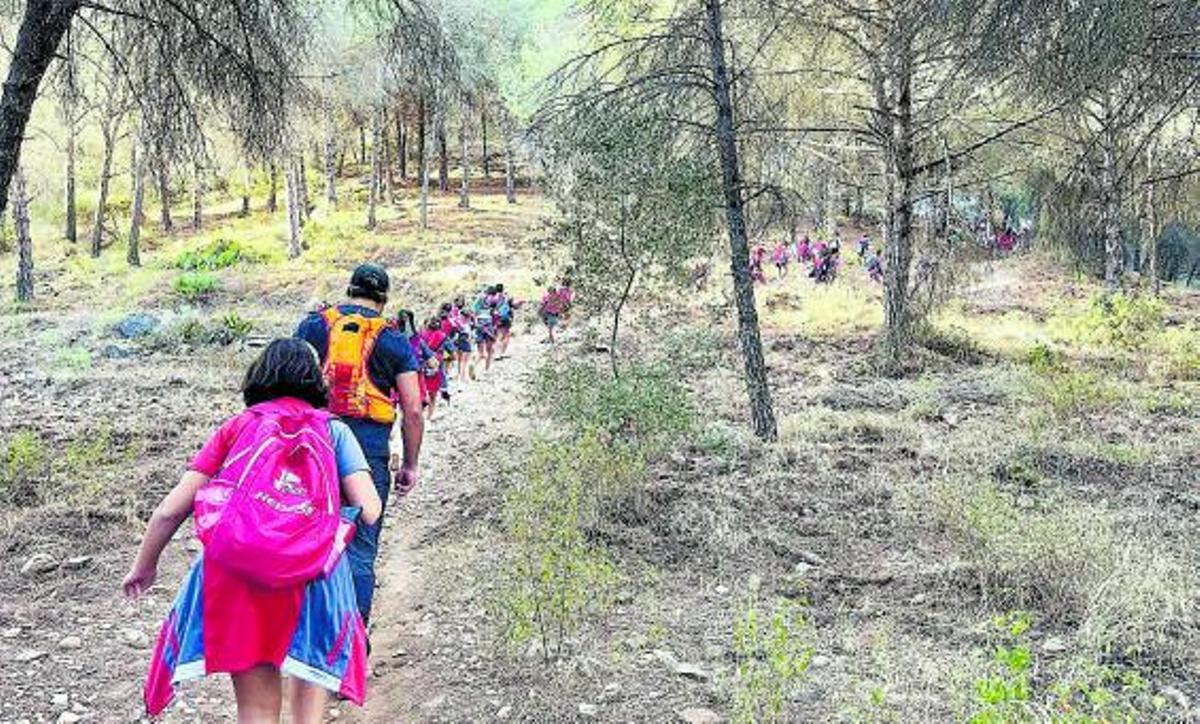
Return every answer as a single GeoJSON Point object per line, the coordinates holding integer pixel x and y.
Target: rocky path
{"type": "Point", "coordinates": [409, 668]}
{"type": "Point", "coordinates": [411, 661]}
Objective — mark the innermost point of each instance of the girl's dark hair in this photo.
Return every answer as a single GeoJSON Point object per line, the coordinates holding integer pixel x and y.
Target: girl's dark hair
{"type": "Point", "coordinates": [407, 322]}
{"type": "Point", "coordinates": [433, 323]}
{"type": "Point", "coordinates": [286, 368]}
{"type": "Point", "coordinates": [445, 308]}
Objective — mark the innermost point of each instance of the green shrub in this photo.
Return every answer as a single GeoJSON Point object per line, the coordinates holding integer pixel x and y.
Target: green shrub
{"type": "Point", "coordinates": [70, 362]}
{"type": "Point", "coordinates": [1014, 686]}
{"type": "Point", "coordinates": [1120, 321]}
{"type": "Point", "coordinates": [87, 452]}
{"type": "Point", "coordinates": [1043, 358]}
{"type": "Point", "coordinates": [646, 407]}
{"type": "Point", "coordinates": [719, 440]}
{"type": "Point", "coordinates": [1003, 692]}
{"type": "Point", "coordinates": [1177, 354]}
{"type": "Point", "coordinates": [1072, 393]}
{"type": "Point", "coordinates": [953, 343]}
{"type": "Point", "coordinates": [216, 254]}
{"type": "Point", "coordinates": [1168, 402]}
{"type": "Point", "coordinates": [195, 331]}
{"type": "Point", "coordinates": [925, 402]}
{"type": "Point", "coordinates": [197, 286]}
{"type": "Point", "coordinates": [694, 349]}
{"type": "Point", "coordinates": [233, 327]}
{"type": "Point", "coordinates": [1070, 562]}
{"type": "Point", "coordinates": [773, 653]}
{"type": "Point", "coordinates": [554, 576]}
{"type": "Point", "coordinates": [1021, 469]}
{"type": "Point", "coordinates": [24, 468]}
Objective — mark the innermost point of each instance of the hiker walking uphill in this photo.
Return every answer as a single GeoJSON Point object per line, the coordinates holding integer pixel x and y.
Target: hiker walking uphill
{"type": "Point", "coordinates": [373, 383]}
{"type": "Point", "coordinates": [271, 594]}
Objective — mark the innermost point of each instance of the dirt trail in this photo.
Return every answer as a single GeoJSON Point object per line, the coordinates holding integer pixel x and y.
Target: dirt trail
{"type": "Point", "coordinates": [406, 661]}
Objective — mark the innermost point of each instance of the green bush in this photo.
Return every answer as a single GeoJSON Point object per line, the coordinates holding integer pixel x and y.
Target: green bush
{"type": "Point", "coordinates": [1177, 354]}
{"type": "Point", "coordinates": [197, 286]}
{"type": "Point", "coordinates": [70, 362]}
{"type": "Point", "coordinates": [1168, 402]}
{"type": "Point", "coordinates": [24, 467]}
{"type": "Point", "coordinates": [216, 254]}
{"type": "Point", "coordinates": [1072, 393]}
{"type": "Point", "coordinates": [194, 331]}
{"type": "Point", "coordinates": [1043, 358]}
{"type": "Point", "coordinates": [88, 452]}
{"type": "Point", "coordinates": [554, 576]}
{"type": "Point", "coordinates": [694, 349]}
{"type": "Point", "coordinates": [1121, 321]}
{"type": "Point", "coordinates": [1002, 694]}
{"type": "Point", "coordinates": [1015, 686]}
{"type": "Point", "coordinates": [233, 328]}
{"type": "Point", "coordinates": [1071, 562]}
{"type": "Point", "coordinates": [953, 343]}
{"type": "Point", "coordinates": [646, 407]}
{"type": "Point", "coordinates": [773, 653]}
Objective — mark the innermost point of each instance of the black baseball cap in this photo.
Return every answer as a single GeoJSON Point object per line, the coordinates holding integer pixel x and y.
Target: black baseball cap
{"type": "Point", "coordinates": [369, 281]}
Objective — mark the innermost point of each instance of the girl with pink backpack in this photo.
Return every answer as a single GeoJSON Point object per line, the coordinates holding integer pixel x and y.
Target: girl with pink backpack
{"type": "Point", "coordinates": [271, 595]}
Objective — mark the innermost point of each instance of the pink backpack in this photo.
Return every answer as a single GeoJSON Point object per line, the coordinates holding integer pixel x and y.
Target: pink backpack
{"type": "Point", "coordinates": [271, 514]}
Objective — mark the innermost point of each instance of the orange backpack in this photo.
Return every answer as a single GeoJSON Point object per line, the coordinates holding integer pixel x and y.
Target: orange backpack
{"type": "Point", "coordinates": [352, 338]}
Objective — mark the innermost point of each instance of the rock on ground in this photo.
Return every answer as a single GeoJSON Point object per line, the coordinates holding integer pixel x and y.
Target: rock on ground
{"type": "Point", "coordinates": [137, 325]}
{"type": "Point", "coordinates": [699, 715]}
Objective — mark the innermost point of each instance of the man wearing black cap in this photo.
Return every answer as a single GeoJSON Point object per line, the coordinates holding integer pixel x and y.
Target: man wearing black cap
{"type": "Point", "coordinates": [372, 376]}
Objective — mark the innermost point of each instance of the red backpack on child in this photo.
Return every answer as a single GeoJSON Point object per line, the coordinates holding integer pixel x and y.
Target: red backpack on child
{"type": "Point", "coordinates": [271, 514]}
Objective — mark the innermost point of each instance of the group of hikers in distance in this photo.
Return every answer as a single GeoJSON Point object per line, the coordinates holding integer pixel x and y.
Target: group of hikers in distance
{"type": "Point", "coordinates": [823, 259]}
{"type": "Point", "coordinates": [289, 495]}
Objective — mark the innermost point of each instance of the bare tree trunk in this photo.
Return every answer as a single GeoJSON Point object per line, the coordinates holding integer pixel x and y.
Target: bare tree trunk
{"type": "Point", "coordinates": [422, 118]}
{"type": "Point", "coordinates": [247, 182]}
{"type": "Point", "coordinates": [464, 192]}
{"type": "Point", "coordinates": [831, 197]}
{"type": "Point", "coordinates": [293, 208]}
{"type": "Point", "coordinates": [402, 142]}
{"type": "Point", "coordinates": [20, 213]}
{"type": "Point", "coordinates": [197, 195]}
{"type": "Point", "coordinates": [43, 25]}
{"type": "Point", "coordinates": [761, 408]}
{"type": "Point", "coordinates": [1152, 230]}
{"type": "Point", "coordinates": [1111, 199]}
{"type": "Point", "coordinates": [71, 232]}
{"type": "Point", "coordinates": [389, 170]}
{"type": "Point", "coordinates": [108, 132]}
{"type": "Point", "coordinates": [510, 181]}
{"type": "Point", "coordinates": [6, 235]}
{"type": "Point", "coordinates": [487, 171]}
{"type": "Point", "coordinates": [273, 192]}
{"type": "Point", "coordinates": [426, 150]}
{"type": "Point", "coordinates": [330, 161]}
{"type": "Point", "coordinates": [948, 217]}
{"type": "Point", "coordinates": [621, 300]}
{"type": "Point", "coordinates": [162, 174]}
{"type": "Point", "coordinates": [898, 254]}
{"type": "Point", "coordinates": [362, 144]}
{"type": "Point", "coordinates": [137, 163]}
{"type": "Point", "coordinates": [443, 157]}
{"type": "Point", "coordinates": [302, 187]}
{"type": "Point", "coordinates": [376, 176]}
